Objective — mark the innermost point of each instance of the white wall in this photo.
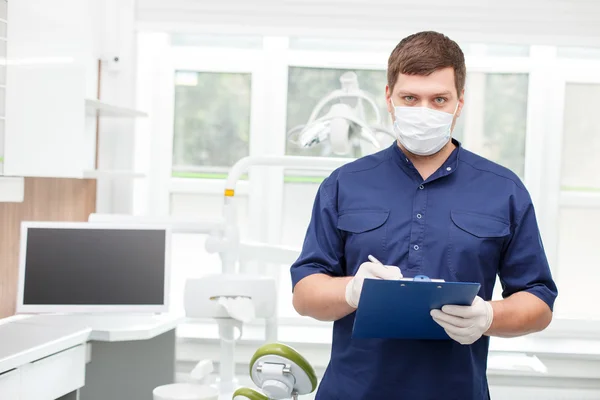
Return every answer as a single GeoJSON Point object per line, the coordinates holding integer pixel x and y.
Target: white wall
{"type": "Point", "coordinates": [573, 22]}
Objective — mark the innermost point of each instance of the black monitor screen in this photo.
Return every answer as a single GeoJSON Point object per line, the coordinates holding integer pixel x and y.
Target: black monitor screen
{"type": "Point", "coordinates": [94, 266]}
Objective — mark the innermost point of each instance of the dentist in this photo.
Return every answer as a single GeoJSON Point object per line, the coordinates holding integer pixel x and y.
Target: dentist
{"type": "Point", "coordinates": [423, 206]}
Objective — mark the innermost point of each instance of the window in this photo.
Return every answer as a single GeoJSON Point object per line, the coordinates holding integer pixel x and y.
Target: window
{"type": "Point", "coordinates": [579, 221]}
{"type": "Point", "coordinates": [306, 86]}
{"type": "Point", "coordinates": [212, 122]}
{"type": "Point", "coordinates": [581, 138]}
{"type": "Point", "coordinates": [578, 260]}
{"type": "Point", "coordinates": [494, 121]}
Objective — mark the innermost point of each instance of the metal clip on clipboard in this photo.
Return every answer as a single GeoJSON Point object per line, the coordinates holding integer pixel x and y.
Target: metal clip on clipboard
{"type": "Point", "coordinates": [422, 278]}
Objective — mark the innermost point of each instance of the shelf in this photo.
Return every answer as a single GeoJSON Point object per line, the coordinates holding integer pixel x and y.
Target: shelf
{"type": "Point", "coordinates": [97, 107]}
{"type": "Point", "coordinates": [112, 174]}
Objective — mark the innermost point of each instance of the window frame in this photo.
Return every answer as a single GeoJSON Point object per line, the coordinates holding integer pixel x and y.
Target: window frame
{"type": "Point", "coordinates": [219, 60]}
{"type": "Point", "coordinates": [551, 198]}
{"type": "Point", "coordinates": [578, 72]}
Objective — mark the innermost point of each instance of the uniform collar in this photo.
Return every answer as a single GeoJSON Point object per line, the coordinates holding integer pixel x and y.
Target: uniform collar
{"type": "Point", "coordinates": [447, 168]}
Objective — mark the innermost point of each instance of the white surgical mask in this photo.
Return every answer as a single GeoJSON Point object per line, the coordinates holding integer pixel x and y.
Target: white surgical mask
{"type": "Point", "coordinates": [422, 130]}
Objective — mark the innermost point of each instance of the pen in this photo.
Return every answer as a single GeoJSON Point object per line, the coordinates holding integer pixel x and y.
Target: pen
{"type": "Point", "coordinates": [374, 260]}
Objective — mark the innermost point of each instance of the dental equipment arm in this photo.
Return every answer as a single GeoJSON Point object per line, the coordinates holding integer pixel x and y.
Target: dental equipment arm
{"type": "Point", "coordinates": [243, 165]}
{"type": "Point", "coordinates": [229, 242]}
{"type": "Point", "coordinates": [226, 240]}
{"type": "Point", "coordinates": [240, 168]}
{"type": "Point", "coordinates": [272, 254]}
{"type": "Point", "coordinates": [176, 225]}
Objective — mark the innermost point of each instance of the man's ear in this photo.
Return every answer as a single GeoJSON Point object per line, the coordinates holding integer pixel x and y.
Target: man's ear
{"type": "Point", "coordinates": [461, 103]}
{"type": "Point", "coordinates": [388, 99]}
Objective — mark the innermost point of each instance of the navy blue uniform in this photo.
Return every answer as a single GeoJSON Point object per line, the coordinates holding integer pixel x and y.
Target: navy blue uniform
{"type": "Point", "coordinates": [470, 221]}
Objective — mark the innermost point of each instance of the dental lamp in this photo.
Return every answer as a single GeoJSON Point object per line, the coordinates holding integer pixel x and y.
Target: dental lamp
{"type": "Point", "coordinates": [344, 125]}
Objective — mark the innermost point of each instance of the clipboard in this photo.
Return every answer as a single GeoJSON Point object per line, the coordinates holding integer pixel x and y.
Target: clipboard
{"type": "Point", "coordinates": [399, 309]}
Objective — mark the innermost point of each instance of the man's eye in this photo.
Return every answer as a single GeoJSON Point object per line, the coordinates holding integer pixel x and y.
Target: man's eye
{"type": "Point", "coordinates": [409, 98]}
{"type": "Point", "coordinates": [440, 100]}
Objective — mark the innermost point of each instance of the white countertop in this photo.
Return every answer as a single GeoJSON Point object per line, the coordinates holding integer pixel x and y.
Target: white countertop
{"type": "Point", "coordinates": [26, 338]}
{"type": "Point", "coordinates": [22, 343]}
{"type": "Point", "coordinates": [110, 327]}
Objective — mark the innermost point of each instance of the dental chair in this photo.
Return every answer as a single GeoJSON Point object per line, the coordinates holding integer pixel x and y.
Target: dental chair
{"type": "Point", "coordinates": [280, 372]}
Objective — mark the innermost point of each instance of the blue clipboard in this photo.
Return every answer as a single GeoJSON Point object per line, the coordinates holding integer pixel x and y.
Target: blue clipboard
{"type": "Point", "coordinates": [400, 309]}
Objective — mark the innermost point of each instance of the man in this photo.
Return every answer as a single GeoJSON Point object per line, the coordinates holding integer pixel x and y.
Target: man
{"type": "Point", "coordinates": [423, 206]}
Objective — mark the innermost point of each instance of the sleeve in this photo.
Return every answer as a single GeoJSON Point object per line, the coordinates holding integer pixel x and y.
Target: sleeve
{"type": "Point", "coordinates": [323, 248]}
{"type": "Point", "coordinates": [525, 266]}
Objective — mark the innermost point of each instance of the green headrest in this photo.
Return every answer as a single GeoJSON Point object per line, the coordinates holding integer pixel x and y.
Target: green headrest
{"type": "Point", "coordinates": [282, 350]}
{"type": "Point", "coordinates": [250, 394]}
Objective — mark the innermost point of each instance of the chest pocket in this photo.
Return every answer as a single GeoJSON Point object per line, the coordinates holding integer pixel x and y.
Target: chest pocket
{"type": "Point", "coordinates": [365, 233]}
{"type": "Point", "coordinates": [475, 246]}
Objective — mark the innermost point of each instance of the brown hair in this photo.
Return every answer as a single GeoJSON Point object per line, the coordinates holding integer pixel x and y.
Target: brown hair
{"type": "Point", "coordinates": [424, 53]}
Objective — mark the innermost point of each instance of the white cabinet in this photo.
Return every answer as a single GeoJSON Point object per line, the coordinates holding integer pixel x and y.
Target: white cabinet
{"type": "Point", "coordinates": [48, 69]}
{"type": "Point", "coordinates": [49, 65]}
{"type": "Point", "coordinates": [54, 376]}
{"type": "Point", "coordinates": [52, 85]}
{"type": "Point", "coordinates": [46, 379]}
{"type": "Point", "coordinates": [10, 385]}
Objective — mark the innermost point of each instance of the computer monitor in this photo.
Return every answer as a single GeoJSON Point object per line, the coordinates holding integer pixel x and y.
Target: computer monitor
{"type": "Point", "coordinates": [69, 267]}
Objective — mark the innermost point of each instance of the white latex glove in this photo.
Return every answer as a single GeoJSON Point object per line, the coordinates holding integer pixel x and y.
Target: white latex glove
{"type": "Point", "coordinates": [369, 270]}
{"type": "Point", "coordinates": [465, 324]}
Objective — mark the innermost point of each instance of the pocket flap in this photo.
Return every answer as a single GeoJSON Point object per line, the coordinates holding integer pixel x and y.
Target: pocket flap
{"type": "Point", "coordinates": [362, 221]}
{"type": "Point", "coordinates": [482, 226]}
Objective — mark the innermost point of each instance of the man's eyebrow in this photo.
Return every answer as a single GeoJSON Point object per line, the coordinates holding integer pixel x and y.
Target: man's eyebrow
{"type": "Point", "coordinates": [444, 93]}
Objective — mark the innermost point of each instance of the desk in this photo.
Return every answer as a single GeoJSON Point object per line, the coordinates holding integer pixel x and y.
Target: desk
{"type": "Point", "coordinates": [40, 362]}
{"type": "Point", "coordinates": [129, 354]}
